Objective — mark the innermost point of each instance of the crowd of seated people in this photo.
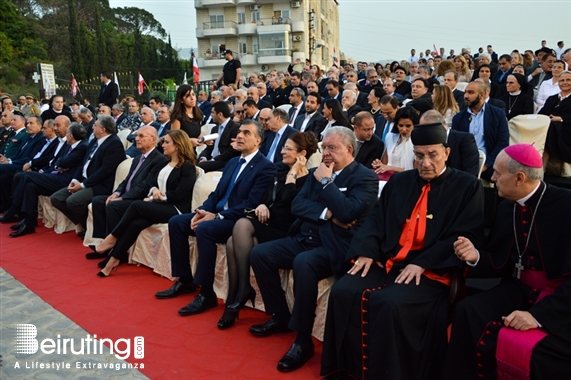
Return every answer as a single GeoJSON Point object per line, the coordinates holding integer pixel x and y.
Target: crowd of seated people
{"type": "Point", "coordinates": [394, 211]}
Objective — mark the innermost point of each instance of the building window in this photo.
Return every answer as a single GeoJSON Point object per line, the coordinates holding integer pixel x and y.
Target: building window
{"type": "Point", "coordinates": [241, 18]}
{"type": "Point", "coordinates": [243, 47]}
{"type": "Point", "coordinates": [255, 16]}
{"type": "Point", "coordinates": [273, 44]}
{"type": "Point", "coordinates": [216, 21]}
{"type": "Point", "coordinates": [255, 47]}
{"type": "Point", "coordinates": [281, 17]}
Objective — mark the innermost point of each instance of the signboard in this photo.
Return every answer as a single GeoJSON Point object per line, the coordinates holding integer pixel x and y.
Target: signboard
{"type": "Point", "coordinates": [48, 82]}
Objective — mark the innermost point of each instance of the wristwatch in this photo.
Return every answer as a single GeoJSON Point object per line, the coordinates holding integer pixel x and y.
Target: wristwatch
{"type": "Point", "coordinates": [293, 175]}
{"type": "Point", "coordinates": [326, 180]}
{"type": "Point", "coordinates": [218, 217]}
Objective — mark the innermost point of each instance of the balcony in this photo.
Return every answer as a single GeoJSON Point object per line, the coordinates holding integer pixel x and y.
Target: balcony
{"type": "Point", "coordinates": [248, 28]}
{"type": "Point", "coordinates": [298, 26]}
{"type": "Point", "coordinates": [213, 62]}
{"type": "Point", "coordinates": [245, 2]}
{"type": "Point", "coordinates": [248, 59]}
{"type": "Point", "coordinates": [274, 25]}
{"type": "Point", "coordinates": [274, 56]}
{"type": "Point", "coordinates": [214, 3]}
{"type": "Point", "coordinates": [219, 29]}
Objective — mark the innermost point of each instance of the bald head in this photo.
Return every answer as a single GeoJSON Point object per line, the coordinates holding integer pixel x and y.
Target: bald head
{"type": "Point", "coordinates": [146, 138]}
{"type": "Point", "coordinates": [264, 118]}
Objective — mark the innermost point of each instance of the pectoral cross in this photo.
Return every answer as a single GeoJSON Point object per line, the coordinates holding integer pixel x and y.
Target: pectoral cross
{"type": "Point", "coordinates": [518, 268]}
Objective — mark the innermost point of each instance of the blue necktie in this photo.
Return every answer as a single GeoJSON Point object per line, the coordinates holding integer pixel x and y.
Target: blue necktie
{"type": "Point", "coordinates": [273, 148]}
{"type": "Point", "coordinates": [220, 205]}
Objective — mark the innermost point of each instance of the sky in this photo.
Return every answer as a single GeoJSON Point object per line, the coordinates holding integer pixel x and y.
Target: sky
{"type": "Point", "coordinates": [376, 30]}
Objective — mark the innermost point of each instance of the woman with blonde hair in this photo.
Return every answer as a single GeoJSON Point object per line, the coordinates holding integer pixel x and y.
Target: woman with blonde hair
{"type": "Point", "coordinates": [445, 103]}
{"type": "Point", "coordinates": [462, 68]}
{"type": "Point", "coordinates": [168, 193]}
{"type": "Point", "coordinates": [517, 59]}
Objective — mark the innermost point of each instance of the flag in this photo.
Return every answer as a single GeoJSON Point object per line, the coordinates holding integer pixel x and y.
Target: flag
{"type": "Point", "coordinates": [195, 70]}
{"type": "Point", "coordinates": [141, 83]}
{"type": "Point", "coordinates": [334, 57]}
{"type": "Point", "coordinates": [185, 81]}
{"type": "Point", "coordinates": [74, 86]}
{"type": "Point", "coordinates": [435, 51]}
{"type": "Point", "coordinates": [116, 81]}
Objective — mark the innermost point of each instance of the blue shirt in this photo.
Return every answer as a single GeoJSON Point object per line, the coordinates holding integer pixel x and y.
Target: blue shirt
{"type": "Point", "coordinates": [477, 127]}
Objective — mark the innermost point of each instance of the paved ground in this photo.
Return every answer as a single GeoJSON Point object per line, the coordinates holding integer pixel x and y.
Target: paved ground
{"type": "Point", "coordinates": [19, 305]}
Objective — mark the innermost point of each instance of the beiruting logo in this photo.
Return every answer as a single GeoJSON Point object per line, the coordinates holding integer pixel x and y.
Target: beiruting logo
{"type": "Point", "coordinates": [26, 343]}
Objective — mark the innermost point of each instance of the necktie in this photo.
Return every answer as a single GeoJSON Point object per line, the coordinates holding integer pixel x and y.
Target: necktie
{"type": "Point", "coordinates": [216, 150]}
{"type": "Point", "coordinates": [161, 129]}
{"type": "Point", "coordinates": [292, 118]}
{"type": "Point", "coordinates": [92, 151]}
{"type": "Point", "coordinates": [273, 148]}
{"type": "Point", "coordinates": [413, 232]}
{"type": "Point", "coordinates": [220, 205]}
{"type": "Point", "coordinates": [128, 186]}
{"type": "Point", "coordinates": [359, 146]}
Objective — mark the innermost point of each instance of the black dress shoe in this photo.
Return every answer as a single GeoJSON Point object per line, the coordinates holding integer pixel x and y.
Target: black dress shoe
{"type": "Point", "coordinates": [9, 218]}
{"type": "Point", "coordinates": [17, 226]}
{"type": "Point", "coordinates": [272, 326]}
{"type": "Point", "coordinates": [295, 358]}
{"type": "Point", "coordinates": [200, 304]}
{"type": "Point", "coordinates": [96, 255]}
{"type": "Point", "coordinates": [80, 234]}
{"type": "Point", "coordinates": [24, 230]}
{"type": "Point", "coordinates": [176, 290]}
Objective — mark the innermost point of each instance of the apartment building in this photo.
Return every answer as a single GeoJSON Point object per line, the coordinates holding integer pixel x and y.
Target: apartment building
{"type": "Point", "coordinates": [265, 34]}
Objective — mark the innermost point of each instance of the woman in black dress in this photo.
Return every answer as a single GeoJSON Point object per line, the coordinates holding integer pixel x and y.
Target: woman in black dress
{"type": "Point", "coordinates": [558, 108]}
{"type": "Point", "coordinates": [169, 193]}
{"type": "Point", "coordinates": [269, 221]}
{"type": "Point", "coordinates": [517, 101]}
{"type": "Point", "coordinates": [186, 115]}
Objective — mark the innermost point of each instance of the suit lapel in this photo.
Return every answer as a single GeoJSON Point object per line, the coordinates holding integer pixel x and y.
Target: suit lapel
{"type": "Point", "coordinates": [248, 167]}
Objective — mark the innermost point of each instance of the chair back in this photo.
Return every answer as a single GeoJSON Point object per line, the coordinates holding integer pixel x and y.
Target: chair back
{"type": "Point", "coordinates": [122, 171]}
{"type": "Point", "coordinates": [529, 129]}
{"type": "Point", "coordinates": [461, 86]}
{"type": "Point", "coordinates": [123, 137]}
{"type": "Point", "coordinates": [482, 161]}
{"type": "Point", "coordinates": [204, 185]}
{"type": "Point", "coordinates": [315, 158]}
{"type": "Point", "coordinates": [285, 107]}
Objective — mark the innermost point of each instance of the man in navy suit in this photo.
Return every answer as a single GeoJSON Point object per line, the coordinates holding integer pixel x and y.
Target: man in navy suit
{"type": "Point", "coordinates": [487, 123]}
{"type": "Point", "coordinates": [48, 181]}
{"type": "Point", "coordinates": [333, 91]}
{"type": "Point", "coordinates": [451, 80]}
{"type": "Point", "coordinates": [386, 120]}
{"type": "Point", "coordinates": [108, 209]}
{"type": "Point", "coordinates": [94, 177]}
{"type": "Point", "coordinates": [505, 69]}
{"type": "Point", "coordinates": [296, 96]}
{"type": "Point", "coordinates": [278, 135]}
{"type": "Point", "coordinates": [312, 120]}
{"type": "Point", "coordinates": [369, 146]}
{"type": "Point", "coordinates": [204, 105]}
{"type": "Point", "coordinates": [164, 119]}
{"type": "Point", "coordinates": [330, 208]}
{"type": "Point", "coordinates": [109, 91]}
{"type": "Point", "coordinates": [148, 118]}
{"type": "Point", "coordinates": [243, 185]}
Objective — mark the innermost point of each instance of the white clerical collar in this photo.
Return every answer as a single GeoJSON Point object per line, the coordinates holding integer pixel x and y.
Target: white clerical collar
{"type": "Point", "coordinates": [564, 97]}
{"type": "Point", "coordinates": [515, 93]}
{"type": "Point", "coordinates": [522, 201]}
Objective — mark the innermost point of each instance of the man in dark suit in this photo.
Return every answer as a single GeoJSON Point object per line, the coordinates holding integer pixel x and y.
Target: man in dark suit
{"type": "Point", "coordinates": [163, 120]}
{"type": "Point", "coordinates": [275, 93]}
{"type": "Point", "coordinates": [493, 101]}
{"type": "Point", "coordinates": [505, 69]}
{"type": "Point", "coordinates": [296, 96]}
{"type": "Point", "coordinates": [94, 177]}
{"type": "Point", "coordinates": [543, 72]}
{"type": "Point", "coordinates": [464, 154]}
{"type": "Point", "coordinates": [109, 91]}
{"type": "Point", "coordinates": [215, 156]}
{"type": "Point", "coordinates": [386, 120]}
{"type": "Point", "coordinates": [255, 96]}
{"type": "Point", "coordinates": [118, 113]}
{"type": "Point", "coordinates": [87, 120]}
{"type": "Point", "coordinates": [50, 180]}
{"type": "Point", "coordinates": [421, 98]}
{"type": "Point", "coordinates": [312, 120]}
{"type": "Point", "coordinates": [277, 136]}
{"type": "Point", "coordinates": [204, 105]}
{"type": "Point", "coordinates": [33, 155]}
{"type": "Point", "coordinates": [451, 80]}
{"type": "Point", "coordinates": [242, 186]}
{"type": "Point", "coordinates": [369, 145]}
{"type": "Point", "coordinates": [350, 108]}
{"type": "Point", "coordinates": [330, 208]}
{"type": "Point", "coordinates": [148, 118]}
{"type": "Point", "coordinates": [362, 97]}
{"type": "Point", "coordinates": [487, 123]}
{"type": "Point", "coordinates": [372, 81]}
{"type": "Point", "coordinates": [251, 110]}
{"type": "Point", "coordinates": [493, 54]}
{"type": "Point", "coordinates": [108, 210]}
{"type": "Point", "coordinates": [333, 91]}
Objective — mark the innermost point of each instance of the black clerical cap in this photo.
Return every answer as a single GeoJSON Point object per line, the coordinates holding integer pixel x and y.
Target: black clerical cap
{"type": "Point", "coordinates": [428, 134]}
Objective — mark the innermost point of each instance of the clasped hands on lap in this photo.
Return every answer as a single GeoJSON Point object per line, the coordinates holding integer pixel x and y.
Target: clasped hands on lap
{"type": "Point", "coordinates": [518, 319]}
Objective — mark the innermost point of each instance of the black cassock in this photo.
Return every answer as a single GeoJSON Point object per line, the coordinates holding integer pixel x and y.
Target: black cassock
{"type": "Point", "coordinates": [477, 320]}
{"type": "Point", "coordinates": [377, 329]}
{"type": "Point", "coordinates": [558, 140]}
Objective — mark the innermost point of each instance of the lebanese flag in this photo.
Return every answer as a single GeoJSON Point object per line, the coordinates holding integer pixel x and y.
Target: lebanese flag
{"type": "Point", "coordinates": [195, 70]}
{"type": "Point", "coordinates": [141, 83]}
{"type": "Point", "coordinates": [435, 51]}
{"type": "Point", "coordinates": [74, 86]}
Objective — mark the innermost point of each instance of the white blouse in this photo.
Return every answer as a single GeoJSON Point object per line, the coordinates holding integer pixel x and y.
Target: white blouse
{"type": "Point", "coordinates": [547, 89]}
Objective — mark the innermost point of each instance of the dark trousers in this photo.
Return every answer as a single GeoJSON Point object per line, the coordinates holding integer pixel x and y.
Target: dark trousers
{"type": "Point", "coordinates": [7, 172]}
{"type": "Point", "coordinates": [211, 166]}
{"type": "Point", "coordinates": [208, 234]}
{"type": "Point", "coordinates": [74, 206]}
{"type": "Point", "coordinates": [310, 263]}
{"type": "Point", "coordinates": [106, 217]}
{"type": "Point", "coordinates": [139, 215]}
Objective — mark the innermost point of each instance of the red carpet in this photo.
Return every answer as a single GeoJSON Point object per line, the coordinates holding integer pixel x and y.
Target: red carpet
{"type": "Point", "coordinates": [123, 306]}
